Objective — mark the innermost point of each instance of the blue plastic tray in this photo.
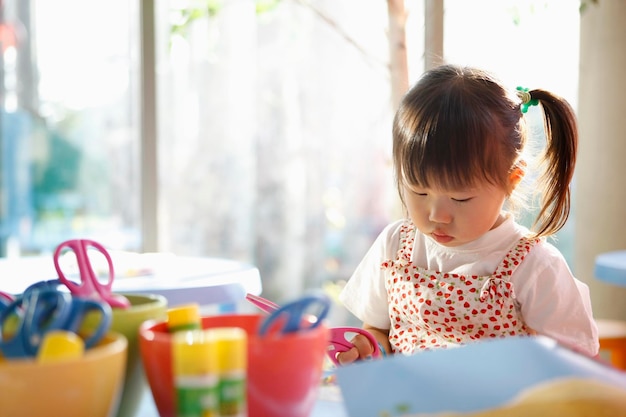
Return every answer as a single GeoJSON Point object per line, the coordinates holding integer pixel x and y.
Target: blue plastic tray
{"type": "Point", "coordinates": [474, 377]}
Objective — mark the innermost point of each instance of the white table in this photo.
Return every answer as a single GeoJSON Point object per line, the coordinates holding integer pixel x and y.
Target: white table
{"type": "Point", "coordinates": [179, 279]}
{"type": "Point", "coordinates": [324, 407]}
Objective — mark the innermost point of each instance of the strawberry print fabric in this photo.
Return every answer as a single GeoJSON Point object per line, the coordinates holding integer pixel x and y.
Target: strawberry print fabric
{"type": "Point", "coordinates": [431, 309]}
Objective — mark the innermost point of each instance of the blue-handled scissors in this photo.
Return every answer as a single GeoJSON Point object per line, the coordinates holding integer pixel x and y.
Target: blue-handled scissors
{"type": "Point", "coordinates": [24, 323]}
{"type": "Point", "coordinates": [89, 285]}
{"type": "Point", "coordinates": [302, 314]}
{"type": "Point", "coordinates": [296, 319]}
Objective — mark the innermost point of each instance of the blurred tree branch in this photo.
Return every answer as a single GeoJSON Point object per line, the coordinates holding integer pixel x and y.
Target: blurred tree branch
{"type": "Point", "coordinates": [397, 66]}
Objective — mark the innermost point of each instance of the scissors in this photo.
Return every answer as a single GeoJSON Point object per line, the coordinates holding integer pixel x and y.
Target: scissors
{"type": "Point", "coordinates": [5, 300]}
{"type": "Point", "coordinates": [89, 286]}
{"type": "Point", "coordinates": [298, 315]}
{"type": "Point", "coordinates": [295, 313]}
{"type": "Point", "coordinates": [38, 312]}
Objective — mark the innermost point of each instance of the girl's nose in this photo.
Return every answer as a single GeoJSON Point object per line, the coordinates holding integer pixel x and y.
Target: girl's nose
{"type": "Point", "coordinates": [439, 213]}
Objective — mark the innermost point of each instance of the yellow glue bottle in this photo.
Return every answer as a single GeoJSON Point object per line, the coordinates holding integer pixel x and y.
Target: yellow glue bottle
{"type": "Point", "coordinates": [195, 369]}
{"type": "Point", "coordinates": [184, 317]}
{"type": "Point", "coordinates": [232, 353]}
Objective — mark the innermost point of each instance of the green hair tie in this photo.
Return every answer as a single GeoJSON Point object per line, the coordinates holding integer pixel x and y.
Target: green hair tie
{"type": "Point", "coordinates": [527, 100]}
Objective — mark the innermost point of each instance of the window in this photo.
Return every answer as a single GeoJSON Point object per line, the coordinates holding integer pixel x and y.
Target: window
{"type": "Point", "coordinates": [69, 125]}
{"type": "Point", "coordinates": [275, 132]}
{"type": "Point", "coordinates": [518, 41]}
{"type": "Point", "coordinates": [273, 126]}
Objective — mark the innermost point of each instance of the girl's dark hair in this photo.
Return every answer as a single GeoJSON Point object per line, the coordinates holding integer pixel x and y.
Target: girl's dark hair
{"type": "Point", "coordinates": [459, 126]}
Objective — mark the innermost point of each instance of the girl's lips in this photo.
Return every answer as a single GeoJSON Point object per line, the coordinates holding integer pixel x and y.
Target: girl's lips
{"type": "Point", "coordinates": [441, 237]}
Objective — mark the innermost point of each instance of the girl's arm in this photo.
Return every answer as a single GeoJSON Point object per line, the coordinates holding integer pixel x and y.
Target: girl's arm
{"type": "Point", "coordinates": [553, 302]}
{"type": "Point", "coordinates": [363, 348]}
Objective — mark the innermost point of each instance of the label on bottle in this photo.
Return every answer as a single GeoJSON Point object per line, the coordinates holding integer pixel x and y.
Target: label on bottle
{"type": "Point", "coordinates": [197, 396]}
{"type": "Point", "coordinates": [232, 394]}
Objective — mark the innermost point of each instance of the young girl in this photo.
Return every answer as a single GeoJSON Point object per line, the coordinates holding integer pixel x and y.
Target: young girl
{"type": "Point", "coordinates": [460, 268]}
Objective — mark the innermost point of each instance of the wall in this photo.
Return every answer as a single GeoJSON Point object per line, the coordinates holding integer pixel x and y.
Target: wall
{"type": "Point", "coordinates": [600, 191]}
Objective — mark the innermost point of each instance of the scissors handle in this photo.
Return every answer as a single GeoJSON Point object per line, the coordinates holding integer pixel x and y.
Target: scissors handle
{"type": "Point", "coordinates": [295, 316]}
{"type": "Point", "coordinates": [26, 321]}
{"type": "Point", "coordinates": [89, 286]}
{"type": "Point", "coordinates": [339, 342]}
{"type": "Point", "coordinates": [52, 284]}
{"type": "Point", "coordinates": [80, 308]}
{"type": "Point", "coordinates": [34, 314]}
{"type": "Point", "coordinates": [12, 343]}
{"type": "Point", "coordinates": [338, 335]}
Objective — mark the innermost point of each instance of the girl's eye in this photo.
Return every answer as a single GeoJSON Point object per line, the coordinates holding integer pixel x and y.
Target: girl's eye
{"type": "Point", "coordinates": [421, 193]}
{"type": "Point", "coordinates": [461, 200]}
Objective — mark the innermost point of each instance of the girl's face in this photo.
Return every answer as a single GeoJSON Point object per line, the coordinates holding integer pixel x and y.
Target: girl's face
{"type": "Point", "coordinates": [455, 217]}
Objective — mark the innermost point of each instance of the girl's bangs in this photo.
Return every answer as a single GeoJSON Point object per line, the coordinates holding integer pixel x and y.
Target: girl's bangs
{"type": "Point", "coordinates": [450, 155]}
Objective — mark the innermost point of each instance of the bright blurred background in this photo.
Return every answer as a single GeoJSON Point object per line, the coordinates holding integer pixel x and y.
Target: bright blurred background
{"type": "Point", "coordinates": [261, 132]}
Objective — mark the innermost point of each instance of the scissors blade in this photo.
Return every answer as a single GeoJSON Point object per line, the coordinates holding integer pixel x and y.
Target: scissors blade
{"type": "Point", "coordinates": [5, 300]}
{"type": "Point", "coordinates": [262, 303]}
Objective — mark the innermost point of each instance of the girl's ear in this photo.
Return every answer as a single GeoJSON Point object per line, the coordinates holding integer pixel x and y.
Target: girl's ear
{"type": "Point", "coordinates": [517, 173]}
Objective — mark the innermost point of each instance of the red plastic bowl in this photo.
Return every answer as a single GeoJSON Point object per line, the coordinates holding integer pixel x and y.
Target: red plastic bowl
{"type": "Point", "coordinates": [284, 371]}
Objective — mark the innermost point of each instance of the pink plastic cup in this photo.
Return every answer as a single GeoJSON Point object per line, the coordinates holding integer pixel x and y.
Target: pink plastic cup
{"type": "Point", "coordinates": [284, 371]}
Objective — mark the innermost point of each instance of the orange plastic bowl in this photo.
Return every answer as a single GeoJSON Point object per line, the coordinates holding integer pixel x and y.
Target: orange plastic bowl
{"type": "Point", "coordinates": [88, 386]}
{"type": "Point", "coordinates": [284, 371]}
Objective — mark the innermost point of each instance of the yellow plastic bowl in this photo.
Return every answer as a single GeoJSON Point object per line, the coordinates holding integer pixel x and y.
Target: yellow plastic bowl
{"type": "Point", "coordinates": [88, 386]}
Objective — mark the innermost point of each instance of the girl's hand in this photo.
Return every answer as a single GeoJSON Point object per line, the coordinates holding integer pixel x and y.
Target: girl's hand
{"type": "Point", "coordinates": [363, 347]}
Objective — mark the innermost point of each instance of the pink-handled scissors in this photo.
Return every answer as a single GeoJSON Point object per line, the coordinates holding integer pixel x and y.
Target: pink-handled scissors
{"type": "Point", "coordinates": [338, 335]}
{"type": "Point", "coordinates": [90, 286]}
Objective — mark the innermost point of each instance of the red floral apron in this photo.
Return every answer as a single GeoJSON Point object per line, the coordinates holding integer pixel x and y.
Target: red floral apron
{"type": "Point", "coordinates": [431, 309]}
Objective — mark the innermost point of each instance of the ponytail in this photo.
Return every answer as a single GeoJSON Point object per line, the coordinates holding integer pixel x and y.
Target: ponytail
{"type": "Point", "coordinates": [559, 160]}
